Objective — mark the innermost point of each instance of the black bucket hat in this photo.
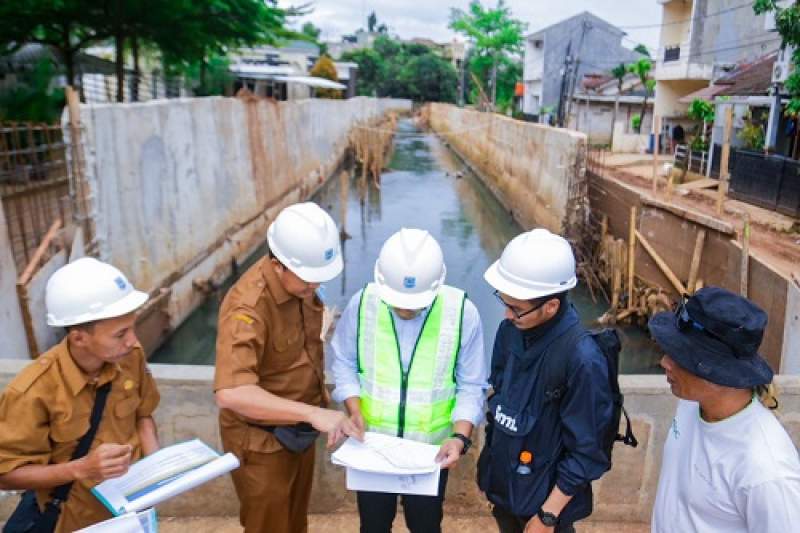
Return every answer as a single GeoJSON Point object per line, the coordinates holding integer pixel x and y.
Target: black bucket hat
{"type": "Point", "coordinates": [715, 334]}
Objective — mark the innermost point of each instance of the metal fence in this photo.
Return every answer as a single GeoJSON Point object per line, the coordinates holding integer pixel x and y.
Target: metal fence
{"type": "Point", "coordinates": [102, 88]}
{"type": "Point", "coordinates": [769, 181]}
{"type": "Point", "coordinates": [34, 184]}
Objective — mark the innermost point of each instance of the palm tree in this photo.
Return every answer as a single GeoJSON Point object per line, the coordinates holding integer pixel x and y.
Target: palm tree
{"type": "Point", "coordinates": [619, 74]}
{"type": "Point", "coordinates": [642, 69]}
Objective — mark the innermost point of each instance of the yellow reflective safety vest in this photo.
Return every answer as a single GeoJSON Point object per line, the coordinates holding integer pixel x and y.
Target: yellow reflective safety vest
{"type": "Point", "coordinates": [416, 403]}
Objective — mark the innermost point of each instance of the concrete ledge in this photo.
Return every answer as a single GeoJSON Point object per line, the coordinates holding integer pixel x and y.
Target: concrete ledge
{"type": "Point", "coordinates": [188, 410]}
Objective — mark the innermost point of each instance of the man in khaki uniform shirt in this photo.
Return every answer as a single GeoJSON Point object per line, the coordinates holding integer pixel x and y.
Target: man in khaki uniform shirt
{"type": "Point", "coordinates": [269, 369]}
{"type": "Point", "coordinates": [45, 410]}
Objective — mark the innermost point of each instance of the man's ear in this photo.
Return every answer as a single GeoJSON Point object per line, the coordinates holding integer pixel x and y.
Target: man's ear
{"type": "Point", "coordinates": [78, 337]}
{"type": "Point", "coordinates": [552, 306]}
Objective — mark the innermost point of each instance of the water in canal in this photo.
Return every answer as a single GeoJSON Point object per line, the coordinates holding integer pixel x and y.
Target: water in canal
{"type": "Point", "coordinates": [425, 187]}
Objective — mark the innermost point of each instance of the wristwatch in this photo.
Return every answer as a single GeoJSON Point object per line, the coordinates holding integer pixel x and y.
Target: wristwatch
{"type": "Point", "coordinates": [464, 439]}
{"type": "Point", "coordinates": [548, 519]}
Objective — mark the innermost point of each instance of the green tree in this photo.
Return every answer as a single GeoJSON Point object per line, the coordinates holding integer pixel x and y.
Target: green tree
{"type": "Point", "coordinates": [68, 26]}
{"type": "Point", "coordinates": [787, 22]}
{"type": "Point", "coordinates": [370, 65]}
{"type": "Point", "coordinates": [642, 49]}
{"type": "Point", "coordinates": [642, 69]}
{"type": "Point", "coordinates": [33, 98]}
{"type": "Point", "coordinates": [429, 78]}
{"type": "Point", "coordinates": [324, 68]}
{"type": "Point", "coordinates": [618, 73]}
{"type": "Point", "coordinates": [496, 35]}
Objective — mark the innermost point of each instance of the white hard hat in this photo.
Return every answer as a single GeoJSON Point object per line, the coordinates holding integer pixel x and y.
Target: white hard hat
{"type": "Point", "coordinates": [87, 290]}
{"type": "Point", "coordinates": [410, 269]}
{"type": "Point", "coordinates": [534, 264]}
{"type": "Point", "coordinates": [305, 239]}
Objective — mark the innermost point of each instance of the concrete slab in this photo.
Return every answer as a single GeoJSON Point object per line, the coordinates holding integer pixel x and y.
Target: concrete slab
{"type": "Point", "coordinates": [348, 522]}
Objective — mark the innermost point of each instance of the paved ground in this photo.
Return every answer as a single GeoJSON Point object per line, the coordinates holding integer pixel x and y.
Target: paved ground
{"type": "Point", "coordinates": [774, 237]}
{"type": "Point", "coordinates": [347, 522]}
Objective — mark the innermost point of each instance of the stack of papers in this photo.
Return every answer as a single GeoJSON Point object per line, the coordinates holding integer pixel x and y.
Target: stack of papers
{"type": "Point", "coordinates": [162, 475]}
{"type": "Point", "coordinates": [389, 464]}
{"type": "Point", "coordinates": [143, 522]}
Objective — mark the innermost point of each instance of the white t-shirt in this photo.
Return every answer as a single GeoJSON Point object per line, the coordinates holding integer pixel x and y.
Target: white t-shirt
{"type": "Point", "coordinates": [738, 475]}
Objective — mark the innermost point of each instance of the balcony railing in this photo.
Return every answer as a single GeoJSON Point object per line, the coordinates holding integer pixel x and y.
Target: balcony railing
{"type": "Point", "coordinates": [672, 53]}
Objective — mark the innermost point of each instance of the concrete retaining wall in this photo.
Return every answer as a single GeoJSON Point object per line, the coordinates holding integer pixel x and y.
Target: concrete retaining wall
{"type": "Point", "coordinates": [179, 188]}
{"type": "Point", "coordinates": [12, 330]}
{"type": "Point", "coordinates": [538, 172]}
{"type": "Point", "coordinates": [626, 493]}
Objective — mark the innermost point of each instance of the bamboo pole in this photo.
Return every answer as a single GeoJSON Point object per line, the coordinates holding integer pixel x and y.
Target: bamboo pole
{"type": "Point", "coordinates": [662, 264]}
{"type": "Point", "coordinates": [631, 255]}
{"type": "Point", "coordinates": [656, 137]}
{"type": "Point", "coordinates": [745, 269]}
{"type": "Point", "coordinates": [696, 257]}
{"type": "Point", "coordinates": [724, 175]}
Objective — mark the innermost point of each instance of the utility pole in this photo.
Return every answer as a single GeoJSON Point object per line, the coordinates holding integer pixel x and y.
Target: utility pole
{"type": "Point", "coordinates": [562, 91]}
{"type": "Point", "coordinates": [585, 25]}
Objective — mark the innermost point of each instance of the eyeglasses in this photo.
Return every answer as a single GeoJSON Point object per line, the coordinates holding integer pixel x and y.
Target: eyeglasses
{"type": "Point", "coordinates": [514, 310]}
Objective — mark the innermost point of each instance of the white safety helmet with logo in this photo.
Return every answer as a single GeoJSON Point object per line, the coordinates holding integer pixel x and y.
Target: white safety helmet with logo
{"type": "Point", "coordinates": [410, 269]}
{"type": "Point", "coordinates": [534, 264]}
{"type": "Point", "coordinates": [88, 290]}
{"type": "Point", "coordinates": [304, 238]}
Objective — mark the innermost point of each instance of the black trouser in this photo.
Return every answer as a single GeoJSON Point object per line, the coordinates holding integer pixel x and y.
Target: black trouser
{"type": "Point", "coordinates": [423, 513]}
{"type": "Point", "coordinates": [509, 523]}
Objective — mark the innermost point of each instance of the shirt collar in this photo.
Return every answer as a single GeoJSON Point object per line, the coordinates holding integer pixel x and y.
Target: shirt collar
{"type": "Point", "coordinates": [75, 378]}
{"type": "Point", "coordinates": [279, 294]}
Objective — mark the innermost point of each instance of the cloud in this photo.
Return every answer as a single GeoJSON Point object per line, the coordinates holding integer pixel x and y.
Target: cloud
{"type": "Point", "coordinates": [430, 18]}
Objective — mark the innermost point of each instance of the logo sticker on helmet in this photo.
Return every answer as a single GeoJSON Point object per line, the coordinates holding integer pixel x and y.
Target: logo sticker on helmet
{"type": "Point", "coordinates": [329, 254]}
{"type": "Point", "coordinates": [120, 281]}
{"type": "Point", "coordinates": [409, 282]}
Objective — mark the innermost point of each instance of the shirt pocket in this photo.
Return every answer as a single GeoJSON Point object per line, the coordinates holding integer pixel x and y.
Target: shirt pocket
{"type": "Point", "coordinates": [286, 348]}
{"type": "Point", "coordinates": [125, 407]}
{"type": "Point", "coordinates": [67, 431]}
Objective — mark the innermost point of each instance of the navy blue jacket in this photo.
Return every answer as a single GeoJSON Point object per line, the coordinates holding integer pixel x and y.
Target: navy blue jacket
{"type": "Point", "coordinates": [564, 436]}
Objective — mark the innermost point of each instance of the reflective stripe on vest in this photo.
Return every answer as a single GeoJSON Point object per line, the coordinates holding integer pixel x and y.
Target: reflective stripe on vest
{"type": "Point", "coordinates": [416, 404]}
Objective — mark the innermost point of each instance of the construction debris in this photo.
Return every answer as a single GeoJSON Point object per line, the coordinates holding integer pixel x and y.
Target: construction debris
{"type": "Point", "coordinates": [372, 146]}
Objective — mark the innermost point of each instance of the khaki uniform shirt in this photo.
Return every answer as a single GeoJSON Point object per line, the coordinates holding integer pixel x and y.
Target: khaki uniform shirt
{"type": "Point", "coordinates": [269, 338]}
{"type": "Point", "coordinates": [45, 411]}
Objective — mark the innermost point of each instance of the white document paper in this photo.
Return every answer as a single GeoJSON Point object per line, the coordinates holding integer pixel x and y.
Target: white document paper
{"type": "Point", "coordinates": [143, 522]}
{"type": "Point", "coordinates": [417, 484]}
{"type": "Point", "coordinates": [385, 454]}
{"type": "Point", "coordinates": [162, 475]}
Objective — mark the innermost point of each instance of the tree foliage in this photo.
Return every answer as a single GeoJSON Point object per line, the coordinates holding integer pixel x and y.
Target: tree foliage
{"type": "Point", "coordinates": [497, 39]}
{"type": "Point", "coordinates": [787, 22]}
{"type": "Point", "coordinates": [186, 32]}
{"type": "Point", "coordinates": [34, 99]}
{"type": "Point", "coordinates": [324, 68]}
{"type": "Point", "coordinates": [403, 70]}
{"type": "Point", "coordinates": [642, 69]}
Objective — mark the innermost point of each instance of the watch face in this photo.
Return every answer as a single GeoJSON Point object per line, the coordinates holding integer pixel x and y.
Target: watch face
{"type": "Point", "coordinates": [548, 519]}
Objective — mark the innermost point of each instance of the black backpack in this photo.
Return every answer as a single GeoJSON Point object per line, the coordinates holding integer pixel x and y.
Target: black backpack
{"type": "Point", "coordinates": [609, 343]}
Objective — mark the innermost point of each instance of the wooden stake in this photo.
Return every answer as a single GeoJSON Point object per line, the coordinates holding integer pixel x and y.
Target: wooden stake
{"type": "Point", "coordinates": [696, 257]}
{"type": "Point", "coordinates": [657, 135]}
{"type": "Point", "coordinates": [662, 265]}
{"type": "Point", "coordinates": [724, 175]}
{"type": "Point", "coordinates": [631, 255]}
{"type": "Point", "coordinates": [745, 269]}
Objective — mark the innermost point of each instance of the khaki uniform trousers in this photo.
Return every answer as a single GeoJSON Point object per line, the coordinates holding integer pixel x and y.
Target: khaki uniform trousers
{"type": "Point", "coordinates": [274, 490]}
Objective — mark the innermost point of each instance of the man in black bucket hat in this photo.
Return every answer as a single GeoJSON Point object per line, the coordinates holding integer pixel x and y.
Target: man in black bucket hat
{"type": "Point", "coordinates": [728, 465]}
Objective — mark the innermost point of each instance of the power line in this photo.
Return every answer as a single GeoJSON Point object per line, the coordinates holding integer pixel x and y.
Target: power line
{"type": "Point", "coordinates": [676, 22]}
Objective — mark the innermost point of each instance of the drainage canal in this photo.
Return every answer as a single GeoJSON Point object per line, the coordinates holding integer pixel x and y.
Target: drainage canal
{"type": "Point", "coordinates": [426, 186]}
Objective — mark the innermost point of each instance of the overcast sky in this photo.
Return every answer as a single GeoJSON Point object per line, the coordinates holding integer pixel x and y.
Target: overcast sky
{"type": "Point", "coordinates": [429, 18]}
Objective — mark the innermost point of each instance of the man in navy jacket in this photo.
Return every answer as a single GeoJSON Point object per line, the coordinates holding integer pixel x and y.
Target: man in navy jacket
{"type": "Point", "coordinates": [544, 443]}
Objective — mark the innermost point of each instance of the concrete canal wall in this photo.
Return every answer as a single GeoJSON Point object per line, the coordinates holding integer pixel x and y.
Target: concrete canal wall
{"type": "Point", "coordinates": [536, 171]}
{"type": "Point", "coordinates": [626, 493]}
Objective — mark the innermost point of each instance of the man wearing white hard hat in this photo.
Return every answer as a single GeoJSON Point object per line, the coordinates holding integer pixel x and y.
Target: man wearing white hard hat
{"type": "Point", "coordinates": [269, 380]}
{"type": "Point", "coordinates": [409, 362]}
{"type": "Point", "coordinates": [544, 444]}
{"type": "Point", "coordinates": [82, 412]}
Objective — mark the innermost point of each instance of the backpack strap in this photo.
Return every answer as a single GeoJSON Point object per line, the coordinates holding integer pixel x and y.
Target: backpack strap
{"type": "Point", "coordinates": [629, 439]}
{"type": "Point", "coordinates": [58, 497]}
{"type": "Point", "coordinates": [555, 366]}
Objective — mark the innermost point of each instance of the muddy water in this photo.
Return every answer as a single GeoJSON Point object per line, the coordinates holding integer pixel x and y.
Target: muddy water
{"type": "Point", "coordinates": [427, 187]}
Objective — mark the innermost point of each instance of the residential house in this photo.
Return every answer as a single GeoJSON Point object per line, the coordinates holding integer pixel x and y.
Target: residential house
{"type": "Point", "coordinates": [559, 56]}
{"type": "Point", "coordinates": [282, 72]}
{"type": "Point", "coordinates": [703, 40]}
{"type": "Point", "coordinates": [592, 109]}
